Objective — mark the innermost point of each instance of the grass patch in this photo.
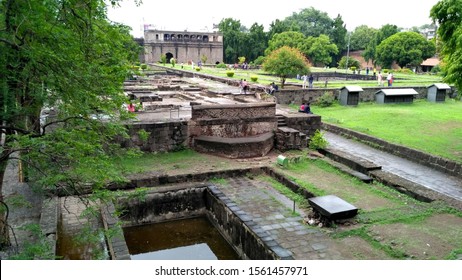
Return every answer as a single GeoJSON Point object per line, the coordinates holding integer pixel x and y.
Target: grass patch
{"type": "Point", "coordinates": [435, 128]}
{"type": "Point", "coordinates": [363, 233]}
{"type": "Point", "coordinates": [161, 161]}
{"type": "Point", "coordinates": [282, 189]}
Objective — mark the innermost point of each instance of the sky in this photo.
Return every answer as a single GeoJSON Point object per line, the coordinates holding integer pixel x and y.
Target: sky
{"type": "Point", "coordinates": [200, 15]}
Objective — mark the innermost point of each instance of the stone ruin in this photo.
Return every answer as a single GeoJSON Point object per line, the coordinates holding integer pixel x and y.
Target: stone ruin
{"type": "Point", "coordinates": [212, 117]}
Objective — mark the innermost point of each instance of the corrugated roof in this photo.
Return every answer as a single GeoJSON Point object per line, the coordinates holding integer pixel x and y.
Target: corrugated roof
{"type": "Point", "coordinates": [353, 88]}
{"type": "Point", "coordinates": [398, 91]}
{"type": "Point", "coordinates": [440, 86]}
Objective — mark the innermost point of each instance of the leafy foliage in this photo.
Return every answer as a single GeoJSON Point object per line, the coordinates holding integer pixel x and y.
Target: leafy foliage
{"type": "Point", "coordinates": [352, 62]}
{"type": "Point", "coordinates": [285, 62]}
{"type": "Point", "coordinates": [448, 15]}
{"type": "Point", "coordinates": [67, 60]}
{"type": "Point", "coordinates": [317, 141]}
{"type": "Point", "coordinates": [325, 100]}
{"type": "Point", "coordinates": [404, 48]}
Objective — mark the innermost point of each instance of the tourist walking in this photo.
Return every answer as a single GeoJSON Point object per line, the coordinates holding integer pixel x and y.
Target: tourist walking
{"type": "Point", "coordinates": [380, 79]}
{"type": "Point", "coordinates": [390, 79]}
{"type": "Point", "coordinates": [305, 80]}
{"type": "Point", "coordinates": [310, 81]}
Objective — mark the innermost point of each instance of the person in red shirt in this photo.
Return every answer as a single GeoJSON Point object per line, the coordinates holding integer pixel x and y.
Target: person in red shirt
{"type": "Point", "coordinates": [131, 107]}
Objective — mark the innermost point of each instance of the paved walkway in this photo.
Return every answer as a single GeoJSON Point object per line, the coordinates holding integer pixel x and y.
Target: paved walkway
{"type": "Point", "coordinates": [273, 212]}
{"type": "Point", "coordinates": [422, 175]}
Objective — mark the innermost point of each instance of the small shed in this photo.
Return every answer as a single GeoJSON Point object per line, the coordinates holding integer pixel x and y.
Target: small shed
{"type": "Point", "coordinates": [437, 92]}
{"type": "Point", "coordinates": [396, 95]}
{"type": "Point", "coordinates": [349, 95]}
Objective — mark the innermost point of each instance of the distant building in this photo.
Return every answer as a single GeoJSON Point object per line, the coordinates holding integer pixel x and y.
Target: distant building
{"type": "Point", "coordinates": [428, 64]}
{"type": "Point", "coordinates": [183, 46]}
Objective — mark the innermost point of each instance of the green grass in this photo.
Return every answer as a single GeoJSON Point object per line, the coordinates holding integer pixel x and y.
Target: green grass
{"type": "Point", "coordinates": [435, 128]}
{"type": "Point", "coordinates": [161, 161]}
{"type": "Point", "coordinates": [265, 79]}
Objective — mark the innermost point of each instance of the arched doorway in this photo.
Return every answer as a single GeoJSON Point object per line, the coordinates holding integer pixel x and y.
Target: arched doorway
{"type": "Point", "coordinates": [169, 56]}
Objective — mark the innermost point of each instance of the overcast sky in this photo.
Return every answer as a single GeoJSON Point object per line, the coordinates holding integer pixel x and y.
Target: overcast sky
{"type": "Point", "coordinates": [200, 15]}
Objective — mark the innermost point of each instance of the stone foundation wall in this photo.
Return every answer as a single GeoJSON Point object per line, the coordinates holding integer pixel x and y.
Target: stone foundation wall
{"type": "Point", "coordinates": [298, 96]}
{"type": "Point", "coordinates": [247, 237]}
{"type": "Point", "coordinates": [163, 137]}
{"type": "Point", "coordinates": [232, 121]}
{"type": "Point", "coordinates": [305, 123]}
{"type": "Point", "coordinates": [438, 163]}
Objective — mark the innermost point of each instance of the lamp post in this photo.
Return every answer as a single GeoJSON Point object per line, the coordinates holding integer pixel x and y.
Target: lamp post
{"type": "Point", "coordinates": [348, 52]}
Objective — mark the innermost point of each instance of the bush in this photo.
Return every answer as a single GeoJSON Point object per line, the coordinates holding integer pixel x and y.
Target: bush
{"type": "Point", "coordinates": [198, 69]}
{"type": "Point", "coordinates": [221, 65]}
{"type": "Point", "coordinates": [253, 78]}
{"type": "Point", "coordinates": [325, 100]}
{"type": "Point", "coordinates": [230, 73]}
{"type": "Point", "coordinates": [317, 141]}
{"type": "Point", "coordinates": [436, 69]}
{"type": "Point", "coordinates": [144, 66]}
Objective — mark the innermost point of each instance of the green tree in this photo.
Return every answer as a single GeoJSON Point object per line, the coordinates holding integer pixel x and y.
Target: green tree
{"type": "Point", "coordinates": [286, 62]}
{"type": "Point", "coordinates": [279, 26]}
{"type": "Point", "coordinates": [361, 37]}
{"type": "Point", "coordinates": [311, 22]}
{"type": "Point", "coordinates": [234, 40]}
{"type": "Point", "coordinates": [257, 42]}
{"type": "Point", "coordinates": [291, 39]}
{"type": "Point", "coordinates": [448, 15]}
{"type": "Point", "coordinates": [320, 50]}
{"type": "Point", "coordinates": [404, 48]}
{"type": "Point", "coordinates": [337, 36]}
{"type": "Point", "coordinates": [352, 62]}
{"type": "Point", "coordinates": [383, 33]}
{"type": "Point", "coordinates": [66, 58]}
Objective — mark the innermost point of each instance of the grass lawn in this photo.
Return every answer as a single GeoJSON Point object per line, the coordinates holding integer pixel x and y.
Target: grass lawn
{"type": "Point", "coordinates": [265, 79]}
{"type": "Point", "coordinates": [435, 128]}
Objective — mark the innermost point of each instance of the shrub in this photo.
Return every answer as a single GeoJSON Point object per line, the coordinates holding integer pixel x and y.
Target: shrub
{"type": "Point", "coordinates": [198, 69]}
{"type": "Point", "coordinates": [144, 66]}
{"type": "Point", "coordinates": [221, 65]}
{"type": "Point", "coordinates": [173, 62]}
{"type": "Point", "coordinates": [317, 141]}
{"type": "Point", "coordinates": [254, 78]}
{"type": "Point", "coordinates": [230, 73]}
{"type": "Point", "coordinates": [325, 100]}
{"type": "Point", "coordinates": [436, 69]}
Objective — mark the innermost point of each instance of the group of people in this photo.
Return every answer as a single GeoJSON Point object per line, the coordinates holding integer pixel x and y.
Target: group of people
{"type": "Point", "coordinates": [306, 79]}
{"type": "Point", "coordinates": [389, 79]}
{"type": "Point", "coordinates": [305, 108]}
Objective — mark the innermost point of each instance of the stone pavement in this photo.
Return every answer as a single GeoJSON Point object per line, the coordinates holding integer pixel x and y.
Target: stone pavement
{"type": "Point", "coordinates": [419, 174]}
{"type": "Point", "coordinates": [273, 212]}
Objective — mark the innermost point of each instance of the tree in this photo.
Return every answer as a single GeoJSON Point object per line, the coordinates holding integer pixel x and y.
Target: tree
{"type": "Point", "coordinates": [279, 26]}
{"type": "Point", "coordinates": [291, 39]}
{"type": "Point", "coordinates": [234, 38]}
{"type": "Point", "coordinates": [257, 42]}
{"type": "Point", "coordinates": [448, 15]}
{"type": "Point", "coordinates": [286, 62]}
{"type": "Point", "coordinates": [311, 22]}
{"type": "Point", "coordinates": [383, 33]}
{"type": "Point", "coordinates": [361, 37]}
{"type": "Point", "coordinates": [404, 48]}
{"type": "Point", "coordinates": [337, 36]}
{"type": "Point", "coordinates": [321, 50]}
{"type": "Point", "coordinates": [67, 58]}
{"type": "Point", "coordinates": [352, 62]}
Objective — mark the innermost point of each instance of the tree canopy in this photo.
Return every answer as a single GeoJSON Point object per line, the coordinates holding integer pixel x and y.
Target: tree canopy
{"type": "Point", "coordinates": [404, 48]}
{"type": "Point", "coordinates": [63, 59]}
{"type": "Point", "coordinates": [448, 15]}
{"type": "Point", "coordinates": [286, 62]}
{"type": "Point", "coordinates": [361, 37]}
